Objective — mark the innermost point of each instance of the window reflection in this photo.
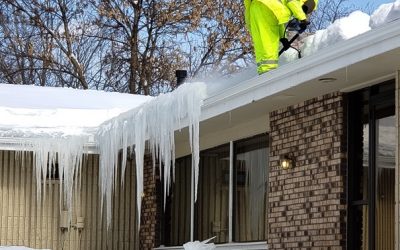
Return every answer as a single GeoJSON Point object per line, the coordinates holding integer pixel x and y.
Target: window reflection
{"type": "Point", "coordinates": [251, 162]}
{"type": "Point", "coordinates": [212, 206]}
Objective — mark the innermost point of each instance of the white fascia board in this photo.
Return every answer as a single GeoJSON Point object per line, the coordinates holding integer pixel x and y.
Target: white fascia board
{"type": "Point", "coordinates": [17, 144]}
{"type": "Point", "coordinates": [341, 55]}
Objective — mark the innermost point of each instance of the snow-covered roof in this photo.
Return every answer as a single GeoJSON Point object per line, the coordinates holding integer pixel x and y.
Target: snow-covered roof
{"type": "Point", "coordinates": [354, 50]}
{"type": "Point", "coordinates": [32, 111]}
{"type": "Point", "coordinates": [367, 57]}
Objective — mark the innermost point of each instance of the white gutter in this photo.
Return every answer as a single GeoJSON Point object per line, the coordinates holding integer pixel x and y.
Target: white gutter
{"type": "Point", "coordinates": [16, 144]}
{"type": "Point", "coordinates": [341, 55]}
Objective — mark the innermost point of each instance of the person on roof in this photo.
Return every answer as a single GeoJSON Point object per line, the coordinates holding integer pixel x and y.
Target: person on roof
{"type": "Point", "coordinates": [266, 19]}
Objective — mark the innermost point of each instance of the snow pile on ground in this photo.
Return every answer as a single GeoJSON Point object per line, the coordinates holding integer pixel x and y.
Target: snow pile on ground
{"type": "Point", "coordinates": [386, 13]}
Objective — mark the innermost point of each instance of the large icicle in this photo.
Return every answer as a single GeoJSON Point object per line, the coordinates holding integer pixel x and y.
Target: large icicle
{"type": "Point", "coordinates": [155, 121]}
{"type": "Point", "coordinates": [68, 153]}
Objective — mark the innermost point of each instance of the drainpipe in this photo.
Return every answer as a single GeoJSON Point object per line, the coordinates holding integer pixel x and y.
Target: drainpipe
{"type": "Point", "coordinates": [180, 76]}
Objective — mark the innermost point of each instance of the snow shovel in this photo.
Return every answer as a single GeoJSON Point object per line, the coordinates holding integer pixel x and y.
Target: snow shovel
{"type": "Point", "coordinates": [294, 24]}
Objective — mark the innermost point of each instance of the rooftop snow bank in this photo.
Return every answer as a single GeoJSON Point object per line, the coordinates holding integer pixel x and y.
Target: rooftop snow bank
{"type": "Point", "coordinates": [386, 13]}
{"type": "Point", "coordinates": [33, 111]}
{"type": "Point", "coordinates": [343, 29]}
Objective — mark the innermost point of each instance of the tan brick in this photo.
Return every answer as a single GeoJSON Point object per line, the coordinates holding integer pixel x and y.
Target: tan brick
{"type": "Point", "coordinates": [311, 209]}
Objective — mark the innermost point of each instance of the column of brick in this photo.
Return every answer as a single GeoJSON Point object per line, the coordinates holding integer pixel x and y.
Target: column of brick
{"type": "Point", "coordinates": [151, 207]}
{"type": "Point", "coordinates": [307, 204]}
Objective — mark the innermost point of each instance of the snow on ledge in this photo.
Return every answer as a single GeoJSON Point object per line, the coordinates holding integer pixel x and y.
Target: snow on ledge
{"type": "Point", "coordinates": [35, 111]}
{"type": "Point", "coordinates": [228, 246]}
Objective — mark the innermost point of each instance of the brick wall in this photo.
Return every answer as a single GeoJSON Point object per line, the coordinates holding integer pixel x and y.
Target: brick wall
{"type": "Point", "coordinates": [307, 204]}
{"type": "Point", "coordinates": [151, 209]}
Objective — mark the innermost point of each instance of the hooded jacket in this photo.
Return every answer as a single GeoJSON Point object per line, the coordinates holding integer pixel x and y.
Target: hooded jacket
{"type": "Point", "coordinates": [282, 9]}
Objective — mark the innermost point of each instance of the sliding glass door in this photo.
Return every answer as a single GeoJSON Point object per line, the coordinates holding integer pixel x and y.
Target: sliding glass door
{"type": "Point", "coordinates": [371, 168]}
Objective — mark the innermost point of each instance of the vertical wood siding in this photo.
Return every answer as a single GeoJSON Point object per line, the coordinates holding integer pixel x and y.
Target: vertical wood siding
{"type": "Point", "coordinates": [385, 206]}
{"type": "Point", "coordinates": [385, 209]}
{"type": "Point", "coordinates": [211, 216]}
{"type": "Point", "coordinates": [24, 221]}
{"type": "Point", "coordinates": [178, 208]}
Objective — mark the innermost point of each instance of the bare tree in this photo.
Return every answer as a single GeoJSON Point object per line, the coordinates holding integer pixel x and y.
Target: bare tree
{"type": "Point", "coordinates": [51, 45]}
{"type": "Point", "coordinates": [221, 43]}
{"type": "Point", "coordinates": [150, 39]}
{"type": "Point", "coordinates": [130, 46]}
{"type": "Point", "coordinates": [328, 11]}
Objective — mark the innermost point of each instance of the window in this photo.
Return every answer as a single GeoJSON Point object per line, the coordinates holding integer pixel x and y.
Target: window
{"type": "Point", "coordinates": [372, 147]}
{"type": "Point", "coordinates": [251, 161]}
{"type": "Point", "coordinates": [231, 200]}
{"type": "Point", "coordinates": [211, 217]}
{"type": "Point", "coordinates": [178, 205]}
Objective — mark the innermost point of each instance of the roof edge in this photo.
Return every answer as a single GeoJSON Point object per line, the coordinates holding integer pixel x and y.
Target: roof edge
{"type": "Point", "coordinates": [326, 60]}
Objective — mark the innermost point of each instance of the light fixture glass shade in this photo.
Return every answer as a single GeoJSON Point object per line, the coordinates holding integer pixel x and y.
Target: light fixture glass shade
{"type": "Point", "coordinates": [286, 163]}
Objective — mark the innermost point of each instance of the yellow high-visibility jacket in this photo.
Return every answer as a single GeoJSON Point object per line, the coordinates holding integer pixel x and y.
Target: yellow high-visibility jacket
{"type": "Point", "coordinates": [282, 9]}
{"type": "Point", "coordinates": [265, 21]}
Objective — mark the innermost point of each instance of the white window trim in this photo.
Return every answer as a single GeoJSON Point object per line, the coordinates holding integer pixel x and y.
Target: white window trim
{"type": "Point", "coordinates": [230, 205]}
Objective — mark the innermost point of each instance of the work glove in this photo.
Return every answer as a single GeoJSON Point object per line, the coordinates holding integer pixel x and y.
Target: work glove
{"type": "Point", "coordinates": [303, 24]}
{"type": "Point", "coordinates": [285, 43]}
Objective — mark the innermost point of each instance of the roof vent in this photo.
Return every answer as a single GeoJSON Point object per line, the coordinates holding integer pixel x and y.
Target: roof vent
{"type": "Point", "coordinates": [180, 76]}
{"type": "Point", "coordinates": [327, 79]}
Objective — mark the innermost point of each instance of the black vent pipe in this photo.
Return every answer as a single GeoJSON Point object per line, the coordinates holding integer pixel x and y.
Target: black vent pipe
{"type": "Point", "coordinates": [180, 76]}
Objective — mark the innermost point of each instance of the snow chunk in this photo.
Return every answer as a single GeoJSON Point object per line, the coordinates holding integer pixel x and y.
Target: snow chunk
{"type": "Point", "coordinates": [342, 29]}
{"type": "Point", "coordinates": [386, 13]}
{"type": "Point", "coordinates": [197, 245]}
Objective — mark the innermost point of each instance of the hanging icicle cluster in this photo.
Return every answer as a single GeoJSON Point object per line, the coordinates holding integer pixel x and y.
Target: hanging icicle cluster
{"type": "Point", "coordinates": [67, 153]}
{"type": "Point", "coordinates": [155, 122]}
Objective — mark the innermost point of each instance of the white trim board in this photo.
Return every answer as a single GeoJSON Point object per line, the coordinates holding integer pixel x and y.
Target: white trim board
{"type": "Point", "coordinates": [229, 246]}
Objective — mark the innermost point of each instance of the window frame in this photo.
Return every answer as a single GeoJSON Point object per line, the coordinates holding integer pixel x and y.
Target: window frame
{"type": "Point", "coordinates": [369, 98]}
{"type": "Point", "coordinates": [230, 243]}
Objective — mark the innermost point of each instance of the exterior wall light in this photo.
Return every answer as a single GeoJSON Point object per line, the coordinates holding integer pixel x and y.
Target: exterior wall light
{"type": "Point", "coordinates": [286, 162]}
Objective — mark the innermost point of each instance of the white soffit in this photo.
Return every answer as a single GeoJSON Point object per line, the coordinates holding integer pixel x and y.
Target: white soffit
{"type": "Point", "coordinates": [367, 58]}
